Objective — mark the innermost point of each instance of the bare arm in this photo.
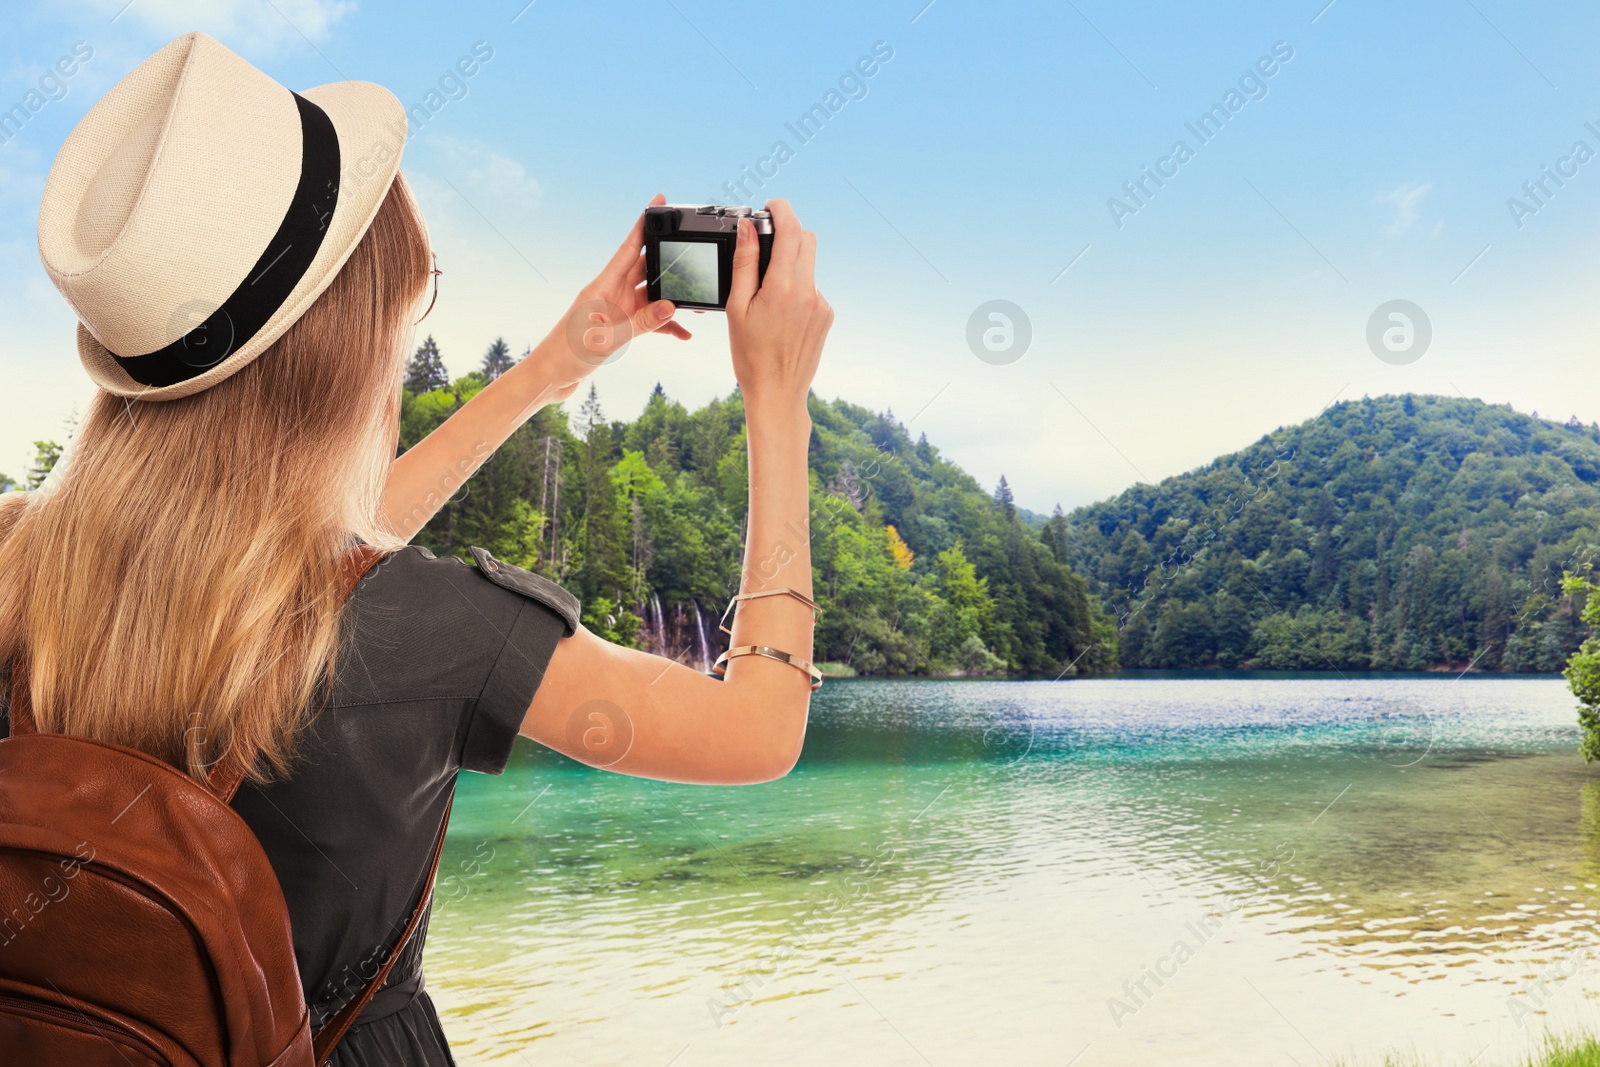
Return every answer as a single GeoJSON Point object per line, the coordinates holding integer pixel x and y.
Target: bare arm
{"type": "Point", "coordinates": [429, 473]}
{"type": "Point", "coordinates": [677, 724]}
{"type": "Point", "coordinates": [606, 314]}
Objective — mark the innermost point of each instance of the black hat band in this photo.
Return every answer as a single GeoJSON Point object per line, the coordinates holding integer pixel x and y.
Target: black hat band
{"type": "Point", "coordinates": [276, 273]}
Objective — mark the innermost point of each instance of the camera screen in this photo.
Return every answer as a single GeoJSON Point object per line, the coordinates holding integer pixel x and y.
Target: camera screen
{"type": "Point", "coordinates": [689, 271]}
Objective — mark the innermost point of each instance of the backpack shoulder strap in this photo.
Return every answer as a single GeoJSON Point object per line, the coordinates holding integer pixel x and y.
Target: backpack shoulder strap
{"type": "Point", "coordinates": [334, 1029]}
{"type": "Point", "coordinates": [19, 712]}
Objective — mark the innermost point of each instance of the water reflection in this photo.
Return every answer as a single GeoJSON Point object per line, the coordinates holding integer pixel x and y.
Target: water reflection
{"type": "Point", "coordinates": [976, 854]}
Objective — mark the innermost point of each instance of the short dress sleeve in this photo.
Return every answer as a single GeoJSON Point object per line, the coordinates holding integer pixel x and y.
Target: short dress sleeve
{"type": "Point", "coordinates": [547, 613]}
{"type": "Point", "coordinates": [475, 637]}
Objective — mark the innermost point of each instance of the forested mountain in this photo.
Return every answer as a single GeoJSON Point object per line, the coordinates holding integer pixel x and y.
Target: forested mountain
{"type": "Point", "coordinates": [1405, 532]}
{"type": "Point", "coordinates": [1397, 533]}
{"type": "Point", "coordinates": [918, 569]}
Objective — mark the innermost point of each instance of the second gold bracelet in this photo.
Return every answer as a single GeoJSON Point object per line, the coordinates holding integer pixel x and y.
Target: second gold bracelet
{"type": "Point", "coordinates": [812, 604]}
{"type": "Point", "coordinates": [720, 667]}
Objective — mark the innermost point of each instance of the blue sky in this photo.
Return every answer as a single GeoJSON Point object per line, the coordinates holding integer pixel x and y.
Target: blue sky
{"type": "Point", "coordinates": [1376, 163]}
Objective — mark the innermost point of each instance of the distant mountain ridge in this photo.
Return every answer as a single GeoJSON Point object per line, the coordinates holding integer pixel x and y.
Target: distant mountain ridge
{"type": "Point", "coordinates": [1402, 532]}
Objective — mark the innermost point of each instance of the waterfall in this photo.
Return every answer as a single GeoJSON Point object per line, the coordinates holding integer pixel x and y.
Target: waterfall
{"type": "Point", "coordinates": [658, 626]}
{"type": "Point", "coordinates": [700, 636]}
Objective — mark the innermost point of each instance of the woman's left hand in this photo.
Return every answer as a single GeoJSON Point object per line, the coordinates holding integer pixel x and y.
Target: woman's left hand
{"type": "Point", "coordinates": [608, 313]}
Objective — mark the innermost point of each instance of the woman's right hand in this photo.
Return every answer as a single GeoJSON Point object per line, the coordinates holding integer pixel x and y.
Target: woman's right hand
{"type": "Point", "coordinates": [777, 324]}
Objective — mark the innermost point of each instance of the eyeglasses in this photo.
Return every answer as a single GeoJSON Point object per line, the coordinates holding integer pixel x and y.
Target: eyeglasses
{"type": "Point", "coordinates": [435, 272]}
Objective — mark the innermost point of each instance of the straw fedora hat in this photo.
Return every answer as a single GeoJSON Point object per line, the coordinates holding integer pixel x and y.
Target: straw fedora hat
{"type": "Point", "coordinates": [199, 208]}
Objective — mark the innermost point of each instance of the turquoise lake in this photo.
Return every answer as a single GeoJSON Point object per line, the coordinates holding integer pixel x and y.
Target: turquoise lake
{"type": "Point", "coordinates": [1203, 869]}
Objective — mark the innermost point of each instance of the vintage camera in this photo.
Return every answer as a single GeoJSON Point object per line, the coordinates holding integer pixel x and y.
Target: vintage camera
{"type": "Point", "coordinates": [688, 250]}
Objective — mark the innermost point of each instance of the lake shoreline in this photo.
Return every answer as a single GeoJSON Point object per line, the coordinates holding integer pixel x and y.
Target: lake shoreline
{"type": "Point", "coordinates": [1203, 673]}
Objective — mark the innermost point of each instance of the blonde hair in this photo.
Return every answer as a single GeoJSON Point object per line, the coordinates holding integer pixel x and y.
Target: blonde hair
{"type": "Point", "coordinates": [177, 591]}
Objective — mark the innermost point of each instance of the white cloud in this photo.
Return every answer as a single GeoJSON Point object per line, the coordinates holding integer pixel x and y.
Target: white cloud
{"type": "Point", "coordinates": [474, 167]}
{"type": "Point", "coordinates": [243, 25]}
{"type": "Point", "coordinates": [1406, 199]}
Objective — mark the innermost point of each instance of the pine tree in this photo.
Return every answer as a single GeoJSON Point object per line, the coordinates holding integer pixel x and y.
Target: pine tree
{"type": "Point", "coordinates": [45, 456]}
{"type": "Point", "coordinates": [426, 371]}
{"type": "Point", "coordinates": [591, 427]}
{"type": "Point", "coordinates": [497, 360]}
{"type": "Point", "coordinates": [602, 540]}
{"type": "Point", "coordinates": [1054, 535]}
{"type": "Point", "coordinates": [1002, 496]}
{"type": "Point", "coordinates": [589, 414]}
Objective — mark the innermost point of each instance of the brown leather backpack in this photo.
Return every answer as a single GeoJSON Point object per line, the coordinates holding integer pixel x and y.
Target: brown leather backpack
{"type": "Point", "coordinates": [141, 924]}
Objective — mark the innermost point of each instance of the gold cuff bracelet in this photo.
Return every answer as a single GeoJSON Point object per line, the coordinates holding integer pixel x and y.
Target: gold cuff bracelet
{"type": "Point", "coordinates": [720, 667]}
{"type": "Point", "coordinates": [812, 604]}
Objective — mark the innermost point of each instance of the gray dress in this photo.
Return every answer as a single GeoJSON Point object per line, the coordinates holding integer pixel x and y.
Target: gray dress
{"type": "Point", "coordinates": [440, 663]}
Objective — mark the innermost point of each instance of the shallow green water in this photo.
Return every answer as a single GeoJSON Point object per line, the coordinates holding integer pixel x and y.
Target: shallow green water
{"type": "Point", "coordinates": [965, 872]}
